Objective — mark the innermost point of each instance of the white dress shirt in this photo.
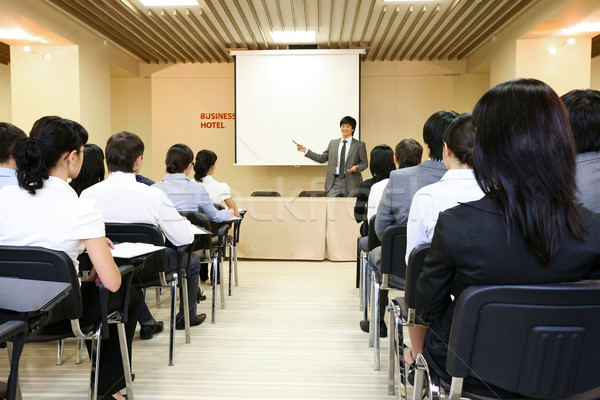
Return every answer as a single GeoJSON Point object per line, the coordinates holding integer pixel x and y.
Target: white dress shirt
{"type": "Point", "coordinates": [54, 218]}
{"type": "Point", "coordinates": [123, 200]}
{"type": "Point", "coordinates": [218, 191]}
{"type": "Point", "coordinates": [188, 195]}
{"type": "Point", "coordinates": [8, 177]}
{"type": "Point", "coordinates": [457, 185]}
{"type": "Point", "coordinates": [375, 197]}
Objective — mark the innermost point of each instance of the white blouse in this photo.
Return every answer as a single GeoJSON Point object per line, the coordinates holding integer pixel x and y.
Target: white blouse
{"type": "Point", "coordinates": [456, 186]}
{"type": "Point", "coordinates": [218, 191]}
{"type": "Point", "coordinates": [54, 218]}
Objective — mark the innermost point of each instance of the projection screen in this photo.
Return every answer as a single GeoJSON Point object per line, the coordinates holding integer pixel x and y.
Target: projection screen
{"type": "Point", "coordinates": [283, 96]}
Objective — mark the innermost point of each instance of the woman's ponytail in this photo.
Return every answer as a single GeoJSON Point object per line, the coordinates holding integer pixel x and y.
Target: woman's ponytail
{"type": "Point", "coordinates": [31, 164]}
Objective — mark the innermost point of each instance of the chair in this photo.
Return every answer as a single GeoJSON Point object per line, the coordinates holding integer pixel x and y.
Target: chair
{"type": "Point", "coordinates": [541, 341]}
{"type": "Point", "coordinates": [264, 193]}
{"type": "Point", "coordinates": [154, 272]}
{"type": "Point", "coordinates": [389, 276]}
{"type": "Point", "coordinates": [14, 331]}
{"type": "Point", "coordinates": [237, 225]}
{"type": "Point", "coordinates": [402, 313]}
{"type": "Point", "coordinates": [38, 263]}
{"type": "Point", "coordinates": [313, 193]}
{"type": "Point", "coordinates": [220, 232]}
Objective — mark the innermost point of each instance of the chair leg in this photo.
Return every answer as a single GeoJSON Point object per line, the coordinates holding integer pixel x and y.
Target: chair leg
{"type": "Point", "coordinates": [125, 359]}
{"type": "Point", "coordinates": [361, 283]}
{"type": "Point", "coordinates": [235, 262]}
{"type": "Point", "coordinates": [79, 352]}
{"type": "Point", "coordinates": [59, 355]}
{"type": "Point", "coordinates": [157, 297]}
{"type": "Point", "coordinates": [14, 348]}
{"type": "Point", "coordinates": [365, 274]}
{"type": "Point", "coordinates": [214, 287]}
{"type": "Point", "coordinates": [222, 289]}
{"type": "Point", "coordinates": [95, 370]}
{"type": "Point", "coordinates": [186, 308]}
{"type": "Point", "coordinates": [392, 348]}
{"type": "Point", "coordinates": [373, 311]}
{"type": "Point", "coordinates": [173, 321]}
{"type": "Point", "coordinates": [230, 263]}
{"type": "Point", "coordinates": [375, 327]}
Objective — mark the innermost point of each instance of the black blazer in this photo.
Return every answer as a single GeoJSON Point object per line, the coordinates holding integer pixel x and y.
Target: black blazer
{"type": "Point", "coordinates": [470, 246]}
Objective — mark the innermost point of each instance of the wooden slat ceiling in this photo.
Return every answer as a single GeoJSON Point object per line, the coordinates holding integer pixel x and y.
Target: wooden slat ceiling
{"type": "Point", "coordinates": [448, 29]}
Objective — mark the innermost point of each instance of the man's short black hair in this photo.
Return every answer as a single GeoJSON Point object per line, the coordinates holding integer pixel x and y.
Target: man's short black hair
{"type": "Point", "coordinates": [433, 132]}
{"type": "Point", "coordinates": [584, 112]}
{"type": "Point", "coordinates": [122, 149]}
{"type": "Point", "coordinates": [348, 120]}
{"type": "Point", "coordinates": [9, 135]}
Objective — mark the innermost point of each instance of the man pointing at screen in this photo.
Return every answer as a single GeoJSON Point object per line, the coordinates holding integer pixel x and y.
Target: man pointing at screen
{"type": "Point", "coordinates": [345, 157]}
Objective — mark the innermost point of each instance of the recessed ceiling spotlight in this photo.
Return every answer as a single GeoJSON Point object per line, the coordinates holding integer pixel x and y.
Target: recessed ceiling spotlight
{"type": "Point", "coordinates": [27, 49]}
{"type": "Point", "coordinates": [552, 50]}
{"type": "Point", "coordinates": [570, 41]}
{"type": "Point", "coordinates": [169, 3]}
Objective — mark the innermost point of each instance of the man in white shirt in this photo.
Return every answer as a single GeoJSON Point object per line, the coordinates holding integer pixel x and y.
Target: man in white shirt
{"type": "Point", "coordinates": [123, 200]}
{"type": "Point", "coordinates": [9, 135]}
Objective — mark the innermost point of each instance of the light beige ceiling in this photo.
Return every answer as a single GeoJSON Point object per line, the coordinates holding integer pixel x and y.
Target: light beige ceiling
{"type": "Point", "coordinates": [416, 30]}
{"type": "Point", "coordinates": [444, 29]}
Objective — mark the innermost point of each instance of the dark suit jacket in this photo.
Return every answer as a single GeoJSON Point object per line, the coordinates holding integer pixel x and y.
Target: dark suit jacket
{"type": "Point", "coordinates": [356, 155]}
{"type": "Point", "coordinates": [470, 246]}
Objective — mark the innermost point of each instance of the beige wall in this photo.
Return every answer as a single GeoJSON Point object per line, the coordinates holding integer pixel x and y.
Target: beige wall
{"type": "Point", "coordinates": [5, 93]}
{"type": "Point", "coordinates": [568, 69]}
{"type": "Point", "coordinates": [396, 99]}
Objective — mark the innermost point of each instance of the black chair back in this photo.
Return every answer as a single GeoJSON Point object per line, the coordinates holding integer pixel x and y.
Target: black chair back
{"type": "Point", "coordinates": [413, 270]}
{"type": "Point", "coordinates": [312, 193]}
{"type": "Point", "coordinates": [393, 250]}
{"type": "Point", "coordinates": [541, 341]}
{"type": "Point", "coordinates": [141, 233]}
{"type": "Point", "coordinates": [38, 263]}
{"type": "Point", "coordinates": [200, 219]}
{"type": "Point", "coordinates": [373, 240]}
{"type": "Point", "coordinates": [262, 193]}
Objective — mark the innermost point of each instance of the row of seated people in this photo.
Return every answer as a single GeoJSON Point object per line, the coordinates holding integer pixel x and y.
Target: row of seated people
{"type": "Point", "coordinates": [36, 194]}
{"type": "Point", "coordinates": [509, 195]}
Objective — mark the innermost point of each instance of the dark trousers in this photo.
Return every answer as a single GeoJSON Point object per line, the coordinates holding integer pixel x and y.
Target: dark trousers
{"type": "Point", "coordinates": [192, 287]}
{"type": "Point", "coordinates": [111, 376]}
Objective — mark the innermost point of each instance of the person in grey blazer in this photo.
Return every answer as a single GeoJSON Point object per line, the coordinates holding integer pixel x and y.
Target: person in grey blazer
{"type": "Point", "coordinates": [398, 194]}
{"type": "Point", "coordinates": [344, 181]}
{"type": "Point", "coordinates": [584, 114]}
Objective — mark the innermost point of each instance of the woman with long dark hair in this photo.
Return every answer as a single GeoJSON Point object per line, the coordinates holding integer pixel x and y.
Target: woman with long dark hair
{"type": "Point", "coordinates": [45, 211]}
{"type": "Point", "coordinates": [92, 170]}
{"type": "Point", "coordinates": [219, 192]}
{"type": "Point", "coordinates": [527, 229]}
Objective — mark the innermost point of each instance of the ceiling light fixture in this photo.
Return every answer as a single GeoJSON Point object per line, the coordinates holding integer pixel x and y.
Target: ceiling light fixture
{"type": "Point", "coordinates": [169, 3]}
{"type": "Point", "coordinates": [294, 36]}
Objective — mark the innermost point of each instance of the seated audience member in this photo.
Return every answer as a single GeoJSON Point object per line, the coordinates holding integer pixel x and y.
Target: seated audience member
{"type": "Point", "coordinates": [92, 170]}
{"type": "Point", "coordinates": [186, 194]}
{"type": "Point", "coordinates": [400, 189]}
{"type": "Point", "coordinates": [527, 229]}
{"type": "Point", "coordinates": [9, 135]}
{"type": "Point", "coordinates": [142, 179]}
{"type": "Point", "coordinates": [219, 192]}
{"type": "Point", "coordinates": [458, 185]}
{"type": "Point", "coordinates": [382, 163]}
{"type": "Point", "coordinates": [64, 222]}
{"type": "Point", "coordinates": [407, 153]}
{"type": "Point", "coordinates": [123, 200]}
{"type": "Point", "coordinates": [584, 114]}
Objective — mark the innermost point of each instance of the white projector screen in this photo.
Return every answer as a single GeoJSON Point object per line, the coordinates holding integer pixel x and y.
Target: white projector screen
{"type": "Point", "coordinates": [286, 95]}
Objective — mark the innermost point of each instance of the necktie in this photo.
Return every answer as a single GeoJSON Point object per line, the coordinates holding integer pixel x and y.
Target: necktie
{"type": "Point", "coordinates": [342, 169]}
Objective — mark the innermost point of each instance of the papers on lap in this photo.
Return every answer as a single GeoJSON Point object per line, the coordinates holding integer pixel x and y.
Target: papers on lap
{"type": "Point", "coordinates": [196, 230]}
{"type": "Point", "coordinates": [131, 250]}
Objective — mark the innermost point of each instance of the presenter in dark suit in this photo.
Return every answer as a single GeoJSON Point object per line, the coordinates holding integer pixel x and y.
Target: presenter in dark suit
{"type": "Point", "coordinates": [344, 181]}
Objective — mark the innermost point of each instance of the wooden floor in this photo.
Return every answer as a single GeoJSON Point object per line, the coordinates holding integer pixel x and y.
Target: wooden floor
{"type": "Point", "coordinates": [290, 331]}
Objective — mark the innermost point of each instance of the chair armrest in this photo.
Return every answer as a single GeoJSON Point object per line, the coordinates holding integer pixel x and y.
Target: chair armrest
{"type": "Point", "coordinates": [11, 329]}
